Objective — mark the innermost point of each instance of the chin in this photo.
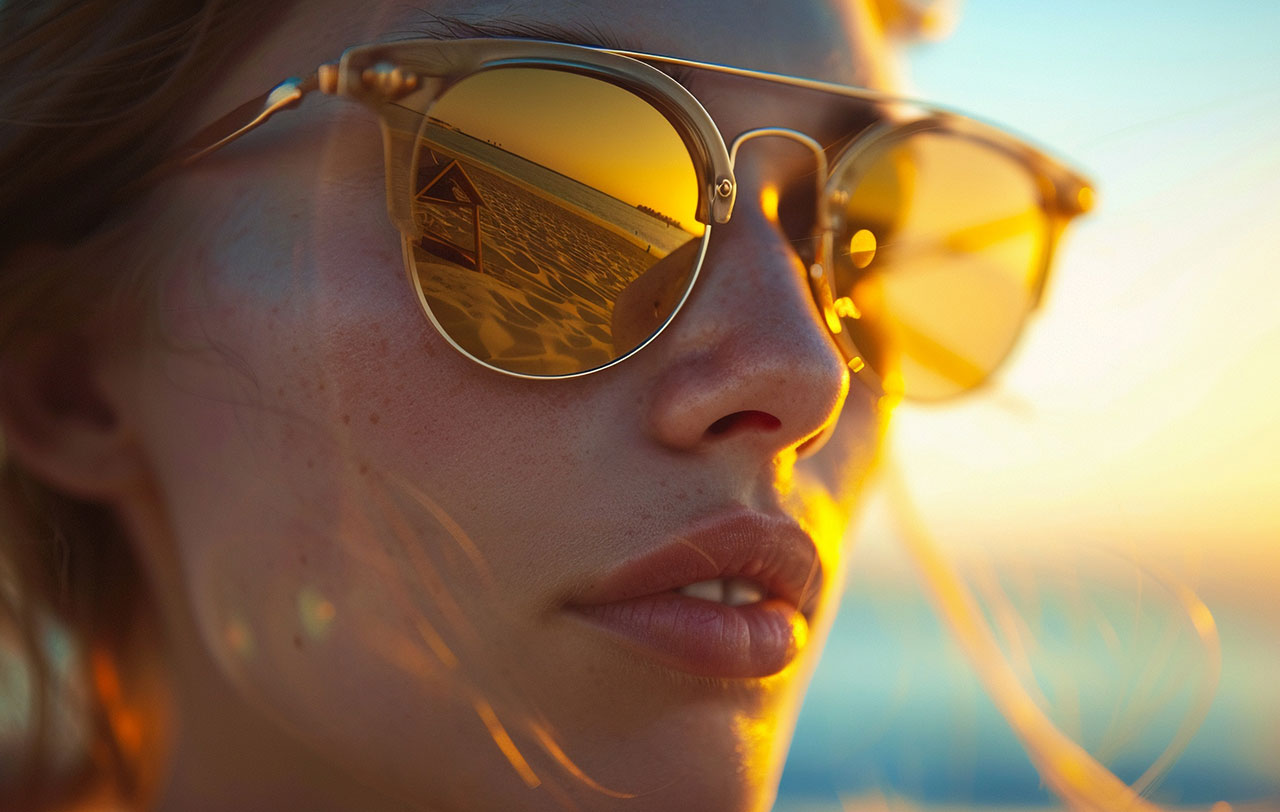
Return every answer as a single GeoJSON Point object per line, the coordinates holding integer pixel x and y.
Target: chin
{"type": "Point", "coordinates": [638, 735]}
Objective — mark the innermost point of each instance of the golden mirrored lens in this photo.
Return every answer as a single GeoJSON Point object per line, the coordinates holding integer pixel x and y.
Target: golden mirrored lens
{"type": "Point", "coordinates": [943, 239]}
{"type": "Point", "coordinates": [556, 214]}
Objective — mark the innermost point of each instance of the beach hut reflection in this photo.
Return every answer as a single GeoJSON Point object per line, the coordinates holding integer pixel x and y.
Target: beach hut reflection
{"type": "Point", "coordinates": [445, 184]}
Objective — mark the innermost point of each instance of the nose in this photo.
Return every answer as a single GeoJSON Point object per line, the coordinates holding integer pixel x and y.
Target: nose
{"type": "Point", "coordinates": [748, 363]}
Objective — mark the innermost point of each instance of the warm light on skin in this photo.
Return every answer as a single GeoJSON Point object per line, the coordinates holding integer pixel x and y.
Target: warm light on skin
{"type": "Point", "coordinates": [769, 202]}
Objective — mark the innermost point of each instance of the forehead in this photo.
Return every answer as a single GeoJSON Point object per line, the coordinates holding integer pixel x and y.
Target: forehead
{"type": "Point", "coordinates": [830, 39]}
{"type": "Point", "coordinates": [836, 40]}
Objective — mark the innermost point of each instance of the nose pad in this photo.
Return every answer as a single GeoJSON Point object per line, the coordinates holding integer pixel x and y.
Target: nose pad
{"type": "Point", "coordinates": [819, 155]}
{"type": "Point", "coordinates": [820, 272]}
{"type": "Point", "coordinates": [749, 362]}
{"type": "Point", "coordinates": [822, 222]}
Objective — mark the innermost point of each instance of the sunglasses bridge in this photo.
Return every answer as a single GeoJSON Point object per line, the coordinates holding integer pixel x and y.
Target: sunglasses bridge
{"type": "Point", "coordinates": [820, 283]}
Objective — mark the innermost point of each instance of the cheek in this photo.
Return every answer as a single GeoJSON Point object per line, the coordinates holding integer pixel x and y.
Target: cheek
{"type": "Point", "coordinates": [323, 458]}
{"type": "Point", "coordinates": [849, 458]}
{"type": "Point", "coordinates": [832, 483]}
{"type": "Point", "coordinates": [288, 412]}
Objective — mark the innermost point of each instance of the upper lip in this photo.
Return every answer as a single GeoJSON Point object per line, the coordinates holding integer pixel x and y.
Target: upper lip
{"type": "Point", "coordinates": [771, 550]}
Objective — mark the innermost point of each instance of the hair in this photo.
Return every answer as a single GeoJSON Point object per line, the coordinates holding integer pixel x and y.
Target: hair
{"type": "Point", "coordinates": [93, 97]}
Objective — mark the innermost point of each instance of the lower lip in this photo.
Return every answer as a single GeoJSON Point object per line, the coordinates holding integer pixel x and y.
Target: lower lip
{"type": "Point", "coordinates": [705, 638]}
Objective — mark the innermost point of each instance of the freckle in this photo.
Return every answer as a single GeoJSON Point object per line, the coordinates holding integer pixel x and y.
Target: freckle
{"type": "Point", "coordinates": [280, 391]}
{"type": "Point", "coordinates": [364, 469]}
{"type": "Point", "coordinates": [297, 641]}
{"type": "Point", "coordinates": [320, 385]}
{"type": "Point", "coordinates": [373, 418]}
{"type": "Point", "coordinates": [294, 348]}
{"type": "Point", "coordinates": [346, 420]}
{"type": "Point", "coordinates": [302, 559]}
{"type": "Point", "coordinates": [311, 463]}
{"type": "Point", "coordinates": [382, 347]}
{"type": "Point", "coordinates": [275, 311]}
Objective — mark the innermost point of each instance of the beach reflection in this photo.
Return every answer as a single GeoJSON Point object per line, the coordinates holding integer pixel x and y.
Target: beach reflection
{"type": "Point", "coordinates": [523, 266]}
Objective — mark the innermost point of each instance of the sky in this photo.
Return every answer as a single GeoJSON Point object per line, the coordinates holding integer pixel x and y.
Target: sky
{"type": "Point", "coordinates": [1128, 457]}
{"type": "Point", "coordinates": [1142, 406]}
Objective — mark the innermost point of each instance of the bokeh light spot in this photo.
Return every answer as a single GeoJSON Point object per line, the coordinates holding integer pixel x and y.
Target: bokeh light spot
{"type": "Point", "coordinates": [315, 612]}
{"type": "Point", "coordinates": [238, 637]}
{"type": "Point", "coordinates": [862, 248]}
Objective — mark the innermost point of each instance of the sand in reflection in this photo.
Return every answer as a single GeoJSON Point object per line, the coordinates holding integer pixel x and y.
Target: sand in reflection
{"type": "Point", "coordinates": [534, 291]}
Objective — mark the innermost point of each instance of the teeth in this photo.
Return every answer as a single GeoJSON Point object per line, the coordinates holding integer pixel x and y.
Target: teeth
{"type": "Point", "coordinates": [712, 590]}
{"type": "Point", "coordinates": [729, 591]}
{"type": "Point", "coordinates": [740, 592]}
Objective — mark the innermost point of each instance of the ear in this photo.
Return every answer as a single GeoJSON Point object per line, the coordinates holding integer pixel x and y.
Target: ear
{"type": "Point", "coordinates": [58, 421]}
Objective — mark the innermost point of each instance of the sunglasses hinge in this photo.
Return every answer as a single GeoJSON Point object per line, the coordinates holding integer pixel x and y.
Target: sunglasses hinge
{"type": "Point", "coordinates": [389, 81]}
{"type": "Point", "coordinates": [327, 78]}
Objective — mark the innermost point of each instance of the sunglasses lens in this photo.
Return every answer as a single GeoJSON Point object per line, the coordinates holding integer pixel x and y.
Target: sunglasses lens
{"type": "Point", "coordinates": [942, 243]}
{"type": "Point", "coordinates": [556, 219]}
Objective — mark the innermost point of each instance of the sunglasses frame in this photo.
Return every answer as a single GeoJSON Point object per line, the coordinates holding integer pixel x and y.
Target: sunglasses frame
{"type": "Point", "coordinates": [400, 80]}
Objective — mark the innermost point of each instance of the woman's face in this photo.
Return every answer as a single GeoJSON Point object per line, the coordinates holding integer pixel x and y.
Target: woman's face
{"type": "Point", "coordinates": [388, 548]}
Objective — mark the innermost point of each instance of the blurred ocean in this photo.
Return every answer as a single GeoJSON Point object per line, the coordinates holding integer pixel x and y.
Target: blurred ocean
{"type": "Point", "coordinates": [1132, 439]}
{"type": "Point", "coordinates": [896, 719]}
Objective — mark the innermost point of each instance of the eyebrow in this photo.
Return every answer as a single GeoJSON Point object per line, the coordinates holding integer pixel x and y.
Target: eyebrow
{"type": "Point", "coordinates": [587, 34]}
{"type": "Point", "coordinates": [446, 26]}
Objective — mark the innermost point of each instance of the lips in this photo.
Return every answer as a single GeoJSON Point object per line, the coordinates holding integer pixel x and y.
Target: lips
{"type": "Point", "coordinates": [730, 597]}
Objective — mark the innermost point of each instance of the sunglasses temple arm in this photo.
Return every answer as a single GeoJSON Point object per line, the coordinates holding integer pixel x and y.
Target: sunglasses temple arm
{"type": "Point", "coordinates": [244, 119]}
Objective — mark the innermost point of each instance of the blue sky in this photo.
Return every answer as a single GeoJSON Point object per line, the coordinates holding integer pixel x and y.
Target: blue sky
{"type": "Point", "coordinates": [1137, 425]}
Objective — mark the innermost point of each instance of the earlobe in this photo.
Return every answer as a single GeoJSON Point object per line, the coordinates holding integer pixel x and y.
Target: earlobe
{"type": "Point", "coordinates": [58, 420]}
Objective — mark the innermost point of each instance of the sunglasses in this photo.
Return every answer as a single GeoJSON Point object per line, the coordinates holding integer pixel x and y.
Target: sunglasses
{"type": "Point", "coordinates": [556, 201]}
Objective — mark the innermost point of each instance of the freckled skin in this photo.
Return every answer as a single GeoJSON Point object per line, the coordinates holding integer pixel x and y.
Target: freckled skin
{"type": "Point", "coordinates": [327, 440]}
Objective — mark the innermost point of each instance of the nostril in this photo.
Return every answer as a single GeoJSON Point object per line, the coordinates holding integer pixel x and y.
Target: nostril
{"type": "Point", "coordinates": [738, 421]}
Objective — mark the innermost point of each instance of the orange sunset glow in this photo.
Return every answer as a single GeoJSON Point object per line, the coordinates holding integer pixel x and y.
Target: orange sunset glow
{"type": "Point", "coordinates": [1093, 539]}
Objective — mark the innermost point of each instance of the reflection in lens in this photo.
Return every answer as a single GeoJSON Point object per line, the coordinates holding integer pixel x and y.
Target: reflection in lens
{"type": "Point", "coordinates": [959, 235]}
{"type": "Point", "coordinates": [556, 214]}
